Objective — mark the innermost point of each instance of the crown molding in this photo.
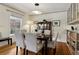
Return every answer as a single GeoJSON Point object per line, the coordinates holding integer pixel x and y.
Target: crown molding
{"type": "Point", "coordinates": [12, 8]}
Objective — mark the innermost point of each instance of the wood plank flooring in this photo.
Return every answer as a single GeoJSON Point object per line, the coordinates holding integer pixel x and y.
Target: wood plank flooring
{"type": "Point", "coordinates": [61, 49]}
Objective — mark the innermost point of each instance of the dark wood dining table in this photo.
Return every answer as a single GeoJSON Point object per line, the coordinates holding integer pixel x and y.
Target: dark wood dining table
{"type": "Point", "coordinates": [45, 38]}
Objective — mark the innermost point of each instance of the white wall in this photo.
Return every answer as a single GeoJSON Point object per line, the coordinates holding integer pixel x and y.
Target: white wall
{"type": "Point", "coordinates": [62, 16]}
{"type": "Point", "coordinates": [5, 22]}
{"type": "Point", "coordinates": [25, 19]}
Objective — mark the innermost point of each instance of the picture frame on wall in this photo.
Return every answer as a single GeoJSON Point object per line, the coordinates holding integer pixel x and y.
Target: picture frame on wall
{"type": "Point", "coordinates": [56, 23]}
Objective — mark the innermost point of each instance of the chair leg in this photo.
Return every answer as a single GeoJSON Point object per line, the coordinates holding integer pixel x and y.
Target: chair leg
{"type": "Point", "coordinates": [24, 52]}
{"type": "Point", "coordinates": [16, 50]}
{"type": "Point", "coordinates": [27, 52]}
{"type": "Point", "coordinates": [20, 48]}
{"type": "Point", "coordinates": [42, 50]}
{"type": "Point", "coordinates": [54, 50]}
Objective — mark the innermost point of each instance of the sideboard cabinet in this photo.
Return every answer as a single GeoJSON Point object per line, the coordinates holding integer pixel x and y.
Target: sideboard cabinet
{"type": "Point", "coordinates": [73, 41]}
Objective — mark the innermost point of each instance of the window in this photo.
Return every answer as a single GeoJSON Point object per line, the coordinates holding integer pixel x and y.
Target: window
{"type": "Point", "coordinates": [15, 23]}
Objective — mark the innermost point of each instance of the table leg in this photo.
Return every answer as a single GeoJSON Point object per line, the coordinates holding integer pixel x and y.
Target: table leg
{"type": "Point", "coordinates": [43, 51]}
{"type": "Point", "coordinates": [8, 42]}
{"type": "Point", "coordinates": [46, 47]}
{"type": "Point", "coordinates": [11, 41]}
{"type": "Point", "coordinates": [24, 52]}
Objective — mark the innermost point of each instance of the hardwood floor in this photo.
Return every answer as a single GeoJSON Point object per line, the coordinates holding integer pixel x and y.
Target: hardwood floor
{"type": "Point", "coordinates": [61, 49]}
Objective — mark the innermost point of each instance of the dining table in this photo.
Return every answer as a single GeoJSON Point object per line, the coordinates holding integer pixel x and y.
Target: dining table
{"type": "Point", "coordinates": [44, 38]}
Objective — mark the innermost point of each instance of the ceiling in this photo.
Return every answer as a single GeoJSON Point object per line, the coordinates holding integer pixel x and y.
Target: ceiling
{"type": "Point", "coordinates": [43, 7]}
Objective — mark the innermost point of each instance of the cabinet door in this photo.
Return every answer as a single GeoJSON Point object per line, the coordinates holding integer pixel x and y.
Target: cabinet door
{"type": "Point", "coordinates": [77, 10]}
{"type": "Point", "coordinates": [69, 14]}
{"type": "Point", "coordinates": [74, 11]}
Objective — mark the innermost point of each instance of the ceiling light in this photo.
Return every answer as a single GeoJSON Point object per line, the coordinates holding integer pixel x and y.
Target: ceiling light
{"type": "Point", "coordinates": [37, 12]}
{"type": "Point", "coordinates": [36, 4]}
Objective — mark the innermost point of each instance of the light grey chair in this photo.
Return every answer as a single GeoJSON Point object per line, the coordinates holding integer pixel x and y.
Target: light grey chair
{"type": "Point", "coordinates": [52, 44]}
{"type": "Point", "coordinates": [20, 41]}
{"type": "Point", "coordinates": [32, 43]}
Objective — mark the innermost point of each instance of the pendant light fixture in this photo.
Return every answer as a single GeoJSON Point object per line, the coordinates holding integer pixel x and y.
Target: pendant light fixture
{"type": "Point", "coordinates": [36, 11]}
{"type": "Point", "coordinates": [36, 4]}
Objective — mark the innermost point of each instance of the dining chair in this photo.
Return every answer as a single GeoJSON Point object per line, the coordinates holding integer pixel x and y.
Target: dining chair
{"type": "Point", "coordinates": [20, 41]}
{"type": "Point", "coordinates": [39, 31]}
{"type": "Point", "coordinates": [47, 32]}
{"type": "Point", "coordinates": [32, 43]}
{"type": "Point", "coordinates": [52, 44]}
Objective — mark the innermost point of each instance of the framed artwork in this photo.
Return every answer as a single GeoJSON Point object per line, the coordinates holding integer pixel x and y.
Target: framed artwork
{"type": "Point", "coordinates": [56, 23]}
